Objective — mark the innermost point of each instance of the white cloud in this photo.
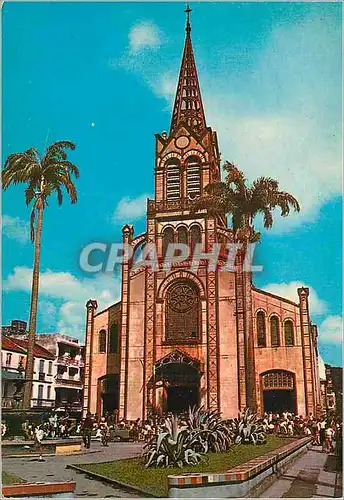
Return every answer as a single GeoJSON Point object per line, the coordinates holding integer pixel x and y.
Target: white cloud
{"type": "Point", "coordinates": [73, 292]}
{"type": "Point", "coordinates": [129, 209]}
{"type": "Point", "coordinates": [15, 228]}
{"type": "Point", "coordinates": [289, 291]}
{"type": "Point", "coordinates": [281, 117]}
{"type": "Point", "coordinates": [331, 330]}
{"type": "Point", "coordinates": [165, 85]}
{"type": "Point", "coordinates": [47, 313]}
{"type": "Point", "coordinates": [144, 35]}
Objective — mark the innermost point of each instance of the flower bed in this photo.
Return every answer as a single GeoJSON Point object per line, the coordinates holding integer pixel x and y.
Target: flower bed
{"type": "Point", "coordinates": [154, 480]}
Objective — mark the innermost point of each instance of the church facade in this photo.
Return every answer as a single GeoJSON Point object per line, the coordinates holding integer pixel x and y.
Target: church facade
{"type": "Point", "coordinates": [179, 336]}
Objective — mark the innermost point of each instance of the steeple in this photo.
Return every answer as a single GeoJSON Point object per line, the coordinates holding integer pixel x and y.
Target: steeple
{"type": "Point", "coordinates": [188, 107]}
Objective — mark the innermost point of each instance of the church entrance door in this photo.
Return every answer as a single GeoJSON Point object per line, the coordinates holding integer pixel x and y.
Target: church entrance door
{"type": "Point", "coordinates": [278, 389]}
{"type": "Point", "coordinates": [179, 398]}
{"type": "Point", "coordinates": [109, 393]}
{"type": "Point", "coordinates": [179, 375]}
{"type": "Point", "coordinates": [277, 401]}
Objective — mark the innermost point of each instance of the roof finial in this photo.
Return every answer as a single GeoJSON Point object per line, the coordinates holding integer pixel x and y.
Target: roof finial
{"type": "Point", "coordinates": [188, 25]}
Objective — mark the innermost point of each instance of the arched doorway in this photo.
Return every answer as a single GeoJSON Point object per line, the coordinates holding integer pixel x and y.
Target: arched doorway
{"type": "Point", "coordinates": [108, 393]}
{"type": "Point", "coordinates": [278, 391]}
{"type": "Point", "coordinates": [179, 376]}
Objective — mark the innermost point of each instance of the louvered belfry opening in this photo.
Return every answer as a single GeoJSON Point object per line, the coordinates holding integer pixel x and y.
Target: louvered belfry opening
{"type": "Point", "coordinates": [188, 106]}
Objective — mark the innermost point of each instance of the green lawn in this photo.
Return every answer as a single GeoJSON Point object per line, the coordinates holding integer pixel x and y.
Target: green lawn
{"type": "Point", "coordinates": [8, 478]}
{"type": "Point", "coordinates": [154, 481]}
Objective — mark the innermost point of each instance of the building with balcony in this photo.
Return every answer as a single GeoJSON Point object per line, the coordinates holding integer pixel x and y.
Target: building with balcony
{"type": "Point", "coordinates": [13, 363]}
{"type": "Point", "coordinates": [69, 367]}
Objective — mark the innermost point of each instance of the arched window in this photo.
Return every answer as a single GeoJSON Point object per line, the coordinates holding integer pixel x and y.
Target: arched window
{"type": "Point", "coordinates": [195, 236]}
{"type": "Point", "coordinates": [182, 235]}
{"type": "Point", "coordinates": [261, 330]}
{"type": "Point", "coordinates": [274, 327]}
{"type": "Point", "coordinates": [278, 379]}
{"type": "Point", "coordinates": [113, 338]}
{"type": "Point", "coordinates": [193, 176]}
{"type": "Point", "coordinates": [183, 310]}
{"type": "Point", "coordinates": [102, 341]}
{"type": "Point", "coordinates": [173, 179]}
{"type": "Point", "coordinates": [289, 333]}
{"type": "Point", "coordinates": [167, 238]}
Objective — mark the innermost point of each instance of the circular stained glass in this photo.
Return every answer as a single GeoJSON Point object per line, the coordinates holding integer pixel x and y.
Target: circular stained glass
{"type": "Point", "coordinates": [182, 297]}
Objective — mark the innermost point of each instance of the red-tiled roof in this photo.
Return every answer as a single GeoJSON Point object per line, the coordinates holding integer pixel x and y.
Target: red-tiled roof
{"type": "Point", "coordinates": [20, 345]}
{"type": "Point", "coordinates": [9, 345]}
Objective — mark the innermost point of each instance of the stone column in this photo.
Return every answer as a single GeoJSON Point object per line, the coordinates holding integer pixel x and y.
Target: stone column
{"type": "Point", "coordinates": [307, 347]}
{"type": "Point", "coordinates": [127, 233]}
{"type": "Point", "coordinates": [91, 308]}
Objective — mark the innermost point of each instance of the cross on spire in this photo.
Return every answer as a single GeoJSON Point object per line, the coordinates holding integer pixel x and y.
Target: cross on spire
{"type": "Point", "coordinates": [188, 25]}
{"type": "Point", "coordinates": [188, 106]}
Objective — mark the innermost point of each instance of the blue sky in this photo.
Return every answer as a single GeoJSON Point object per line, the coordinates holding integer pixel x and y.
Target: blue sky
{"type": "Point", "coordinates": [104, 74]}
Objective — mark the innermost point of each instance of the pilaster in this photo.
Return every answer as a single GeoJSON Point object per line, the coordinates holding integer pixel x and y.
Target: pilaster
{"type": "Point", "coordinates": [149, 394]}
{"type": "Point", "coordinates": [240, 317]}
{"type": "Point", "coordinates": [306, 335]}
{"type": "Point", "coordinates": [91, 307]}
{"type": "Point", "coordinates": [212, 331]}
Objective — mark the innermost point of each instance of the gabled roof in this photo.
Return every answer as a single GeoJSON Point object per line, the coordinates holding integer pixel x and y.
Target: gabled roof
{"type": "Point", "coordinates": [7, 344]}
{"type": "Point", "coordinates": [21, 346]}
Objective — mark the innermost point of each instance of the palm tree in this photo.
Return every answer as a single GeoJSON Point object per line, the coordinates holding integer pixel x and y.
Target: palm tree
{"type": "Point", "coordinates": [44, 176]}
{"type": "Point", "coordinates": [244, 202]}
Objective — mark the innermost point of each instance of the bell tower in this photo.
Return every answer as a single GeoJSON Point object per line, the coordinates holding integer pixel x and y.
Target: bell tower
{"type": "Point", "coordinates": [187, 158]}
{"type": "Point", "coordinates": [172, 315]}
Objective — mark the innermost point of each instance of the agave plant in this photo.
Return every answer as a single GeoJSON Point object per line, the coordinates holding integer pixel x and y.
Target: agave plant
{"type": "Point", "coordinates": [215, 433]}
{"type": "Point", "coordinates": [248, 428]}
{"type": "Point", "coordinates": [175, 447]}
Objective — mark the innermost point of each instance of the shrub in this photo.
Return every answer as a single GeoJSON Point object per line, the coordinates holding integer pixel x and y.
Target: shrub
{"type": "Point", "coordinates": [204, 431]}
{"type": "Point", "coordinates": [213, 430]}
{"type": "Point", "coordinates": [248, 428]}
{"type": "Point", "coordinates": [176, 447]}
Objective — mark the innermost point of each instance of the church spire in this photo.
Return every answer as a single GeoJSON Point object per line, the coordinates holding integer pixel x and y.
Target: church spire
{"type": "Point", "coordinates": [188, 106]}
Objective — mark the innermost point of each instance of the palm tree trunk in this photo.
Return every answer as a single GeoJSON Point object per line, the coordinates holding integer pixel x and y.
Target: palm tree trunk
{"type": "Point", "coordinates": [33, 312]}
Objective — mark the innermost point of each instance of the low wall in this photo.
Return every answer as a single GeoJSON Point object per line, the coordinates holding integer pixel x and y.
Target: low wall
{"type": "Point", "coordinates": [15, 448]}
{"type": "Point", "coordinates": [240, 480]}
{"type": "Point", "coordinates": [37, 489]}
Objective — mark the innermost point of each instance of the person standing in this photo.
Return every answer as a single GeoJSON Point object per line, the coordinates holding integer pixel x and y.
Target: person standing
{"type": "Point", "coordinates": [322, 434]}
{"type": "Point", "coordinates": [329, 433]}
{"type": "Point", "coordinates": [87, 430]}
{"type": "Point", "coordinates": [104, 432]}
{"type": "Point", "coordinates": [39, 434]}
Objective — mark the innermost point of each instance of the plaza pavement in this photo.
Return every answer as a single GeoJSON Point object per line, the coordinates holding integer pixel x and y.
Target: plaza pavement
{"type": "Point", "coordinates": [311, 476]}
{"type": "Point", "coordinates": [54, 469]}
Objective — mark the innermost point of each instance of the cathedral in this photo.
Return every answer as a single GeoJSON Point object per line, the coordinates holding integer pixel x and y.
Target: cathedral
{"type": "Point", "coordinates": [181, 337]}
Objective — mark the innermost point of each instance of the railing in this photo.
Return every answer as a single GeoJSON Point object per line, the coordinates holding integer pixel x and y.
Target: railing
{"type": "Point", "coordinates": [68, 381]}
{"type": "Point", "coordinates": [61, 360]}
{"type": "Point", "coordinates": [7, 402]}
{"type": "Point", "coordinates": [43, 403]}
{"type": "Point", "coordinates": [168, 205]}
{"type": "Point", "coordinates": [74, 406]}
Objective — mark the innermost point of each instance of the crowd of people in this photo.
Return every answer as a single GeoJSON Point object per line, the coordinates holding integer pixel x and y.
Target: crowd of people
{"type": "Point", "coordinates": [54, 427]}
{"type": "Point", "coordinates": [325, 431]}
